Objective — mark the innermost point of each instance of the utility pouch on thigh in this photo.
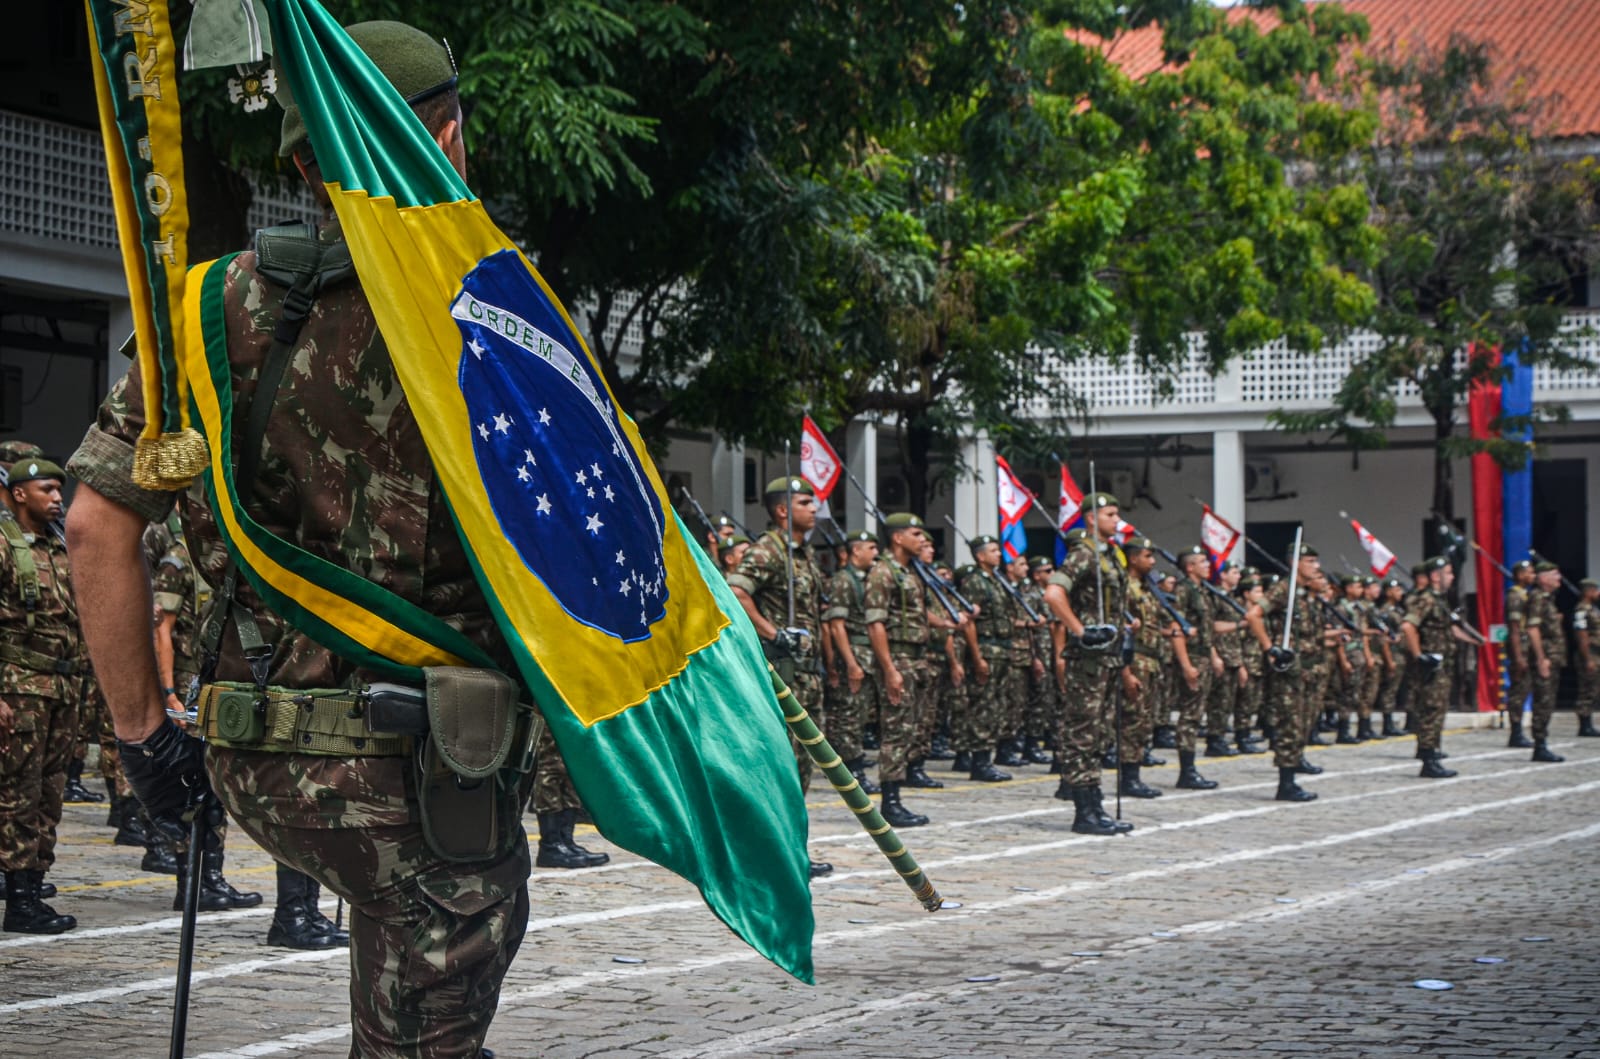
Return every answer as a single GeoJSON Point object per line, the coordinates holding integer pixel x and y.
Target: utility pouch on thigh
{"type": "Point", "coordinates": [467, 812]}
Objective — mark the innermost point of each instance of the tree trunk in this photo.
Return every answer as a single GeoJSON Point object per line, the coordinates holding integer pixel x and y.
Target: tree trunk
{"type": "Point", "coordinates": [915, 446]}
{"type": "Point", "coordinates": [1444, 488]}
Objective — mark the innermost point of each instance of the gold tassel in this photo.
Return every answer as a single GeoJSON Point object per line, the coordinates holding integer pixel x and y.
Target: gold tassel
{"type": "Point", "coordinates": [169, 462]}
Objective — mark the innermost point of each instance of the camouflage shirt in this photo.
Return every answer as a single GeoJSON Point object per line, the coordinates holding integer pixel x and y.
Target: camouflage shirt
{"type": "Point", "coordinates": [847, 591]}
{"type": "Point", "coordinates": [1356, 613]}
{"type": "Point", "coordinates": [344, 474]}
{"type": "Point", "coordinates": [764, 574]}
{"type": "Point", "coordinates": [1230, 645]}
{"type": "Point", "coordinates": [1192, 600]}
{"type": "Point", "coordinates": [172, 578]}
{"type": "Point", "coordinates": [1306, 636]}
{"type": "Point", "coordinates": [1034, 594]}
{"type": "Point", "coordinates": [1586, 619]}
{"type": "Point", "coordinates": [1151, 638]}
{"type": "Point", "coordinates": [1429, 613]}
{"type": "Point", "coordinates": [1076, 576]}
{"type": "Point", "coordinates": [55, 618]}
{"type": "Point", "coordinates": [896, 598]}
{"type": "Point", "coordinates": [997, 614]}
{"type": "Point", "coordinates": [1544, 615]}
{"type": "Point", "coordinates": [1519, 605]}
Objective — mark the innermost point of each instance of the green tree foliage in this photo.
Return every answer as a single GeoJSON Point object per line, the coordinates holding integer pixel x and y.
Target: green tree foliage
{"type": "Point", "coordinates": [1485, 227]}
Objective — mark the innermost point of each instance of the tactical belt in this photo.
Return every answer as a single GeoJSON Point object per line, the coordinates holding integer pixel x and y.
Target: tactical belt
{"type": "Point", "coordinates": [37, 661]}
{"type": "Point", "coordinates": [285, 720]}
{"type": "Point", "coordinates": [1147, 652]}
{"type": "Point", "coordinates": [995, 641]}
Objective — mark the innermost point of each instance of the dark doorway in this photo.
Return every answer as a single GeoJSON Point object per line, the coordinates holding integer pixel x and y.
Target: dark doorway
{"type": "Point", "coordinates": [1270, 542]}
{"type": "Point", "coordinates": [1560, 514]}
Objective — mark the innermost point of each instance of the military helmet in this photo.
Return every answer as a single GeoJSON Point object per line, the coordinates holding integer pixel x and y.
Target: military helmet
{"type": "Point", "coordinates": [1433, 562]}
{"type": "Point", "coordinates": [15, 449]}
{"type": "Point", "coordinates": [1589, 582]}
{"type": "Point", "coordinates": [901, 520]}
{"type": "Point", "coordinates": [730, 543]}
{"type": "Point", "coordinates": [418, 66]}
{"type": "Point", "coordinates": [1307, 551]}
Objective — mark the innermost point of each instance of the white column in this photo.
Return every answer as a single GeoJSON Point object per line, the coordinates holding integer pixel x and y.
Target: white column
{"type": "Point", "coordinates": [727, 480]}
{"type": "Point", "coordinates": [1227, 476]}
{"type": "Point", "coordinates": [861, 456]}
{"type": "Point", "coordinates": [974, 496]}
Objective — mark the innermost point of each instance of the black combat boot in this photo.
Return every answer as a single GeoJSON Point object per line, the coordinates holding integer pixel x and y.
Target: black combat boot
{"type": "Point", "coordinates": [1329, 721]}
{"type": "Point", "coordinates": [568, 818]}
{"type": "Point", "coordinates": [1217, 746]}
{"type": "Point", "coordinates": [555, 848]}
{"type": "Point", "coordinates": [1289, 790]}
{"type": "Point", "coordinates": [1517, 739]}
{"type": "Point", "coordinates": [1108, 760]}
{"type": "Point", "coordinates": [1247, 743]}
{"type": "Point", "coordinates": [297, 922]}
{"type": "Point", "coordinates": [1038, 755]}
{"type": "Point", "coordinates": [1189, 778]}
{"type": "Point", "coordinates": [1010, 754]}
{"type": "Point", "coordinates": [216, 894]}
{"type": "Point", "coordinates": [1431, 767]}
{"type": "Point", "coordinates": [114, 816]}
{"type": "Point", "coordinates": [984, 771]}
{"type": "Point", "coordinates": [939, 749]}
{"type": "Point", "coordinates": [1306, 768]}
{"type": "Point", "coordinates": [132, 829]}
{"type": "Point", "coordinates": [963, 761]}
{"type": "Point", "coordinates": [1132, 786]}
{"type": "Point", "coordinates": [895, 814]}
{"type": "Point", "coordinates": [1345, 738]}
{"type": "Point", "coordinates": [159, 856]}
{"type": "Point", "coordinates": [26, 913]}
{"type": "Point", "coordinates": [1149, 760]}
{"type": "Point", "coordinates": [1314, 737]}
{"type": "Point", "coordinates": [1586, 727]}
{"type": "Point", "coordinates": [869, 736]}
{"type": "Point", "coordinates": [917, 776]}
{"type": "Point", "coordinates": [1165, 738]}
{"type": "Point", "coordinates": [819, 868]}
{"type": "Point", "coordinates": [1121, 827]}
{"type": "Point", "coordinates": [1542, 752]}
{"type": "Point", "coordinates": [1087, 817]}
{"type": "Point", "coordinates": [1364, 730]}
{"type": "Point", "coordinates": [75, 790]}
{"type": "Point", "coordinates": [1390, 729]}
{"type": "Point", "coordinates": [859, 770]}
{"type": "Point", "coordinates": [1055, 765]}
{"type": "Point", "coordinates": [47, 890]}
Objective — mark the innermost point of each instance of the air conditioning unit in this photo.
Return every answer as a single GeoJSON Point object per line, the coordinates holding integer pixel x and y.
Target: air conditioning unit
{"type": "Point", "coordinates": [1120, 483]}
{"type": "Point", "coordinates": [1261, 479]}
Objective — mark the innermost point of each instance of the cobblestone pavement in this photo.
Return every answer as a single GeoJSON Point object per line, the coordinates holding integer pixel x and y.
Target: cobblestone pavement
{"type": "Point", "coordinates": [1227, 924]}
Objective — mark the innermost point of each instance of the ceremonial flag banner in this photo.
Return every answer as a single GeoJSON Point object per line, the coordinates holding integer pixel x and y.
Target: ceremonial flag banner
{"type": "Point", "coordinates": [625, 635]}
{"type": "Point", "coordinates": [818, 462]}
{"type": "Point", "coordinates": [1068, 511]}
{"type": "Point", "coordinates": [1218, 536]}
{"type": "Point", "coordinates": [1381, 559]}
{"type": "Point", "coordinates": [1015, 500]}
{"type": "Point", "coordinates": [1126, 531]}
{"type": "Point", "coordinates": [1488, 514]}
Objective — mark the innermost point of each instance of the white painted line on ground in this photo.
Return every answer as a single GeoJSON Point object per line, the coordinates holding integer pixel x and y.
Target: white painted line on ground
{"type": "Point", "coordinates": [169, 923]}
{"type": "Point", "coordinates": [575, 983]}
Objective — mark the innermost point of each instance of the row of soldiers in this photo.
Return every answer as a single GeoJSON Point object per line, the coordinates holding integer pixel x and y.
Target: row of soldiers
{"type": "Point", "coordinates": [1100, 662]}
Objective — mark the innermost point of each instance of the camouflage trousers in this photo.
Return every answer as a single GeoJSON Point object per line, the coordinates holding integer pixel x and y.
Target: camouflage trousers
{"type": "Point", "coordinates": [1286, 695]}
{"type": "Point", "coordinates": [1350, 690]}
{"type": "Point", "coordinates": [907, 726]}
{"type": "Point", "coordinates": [1388, 689]}
{"type": "Point", "coordinates": [807, 688]}
{"type": "Point", "coordinates": [1192, 704]}
{"type": "Point", "coordinates": [1138, 712]}
{"type": "Point", "coordinates": [1317, 694]}
{"type": "Point", "coordinates": [1082, 725]}
{"type": "Point", "coordinates": [1014, 699]}
{"type": "Point", "coordinates": [1222, 701]}
{"type": "Point", "coordinates": [849, 713]}
{"type": "Point", "coordinates": [552, 784]}
{"type": "Point", "coordinates": [1430, 701]}
{"type": "Point", "coordinates": [430, 940]}
{"type": "Point", "coordinates": [1544, 700]}
{"type": "Point", "coordinates": [1588, 690]}
{"type": "Point", "coordinates": [949, 702]}
{"type": "Point", "coordinates": [1251, 711]}
{"type": "Point", "coordinates": [986, 704]}
{"type": "Point", "coordinates": [1039, 718]}
{"type": "Point", "coordinates": [33, 775]}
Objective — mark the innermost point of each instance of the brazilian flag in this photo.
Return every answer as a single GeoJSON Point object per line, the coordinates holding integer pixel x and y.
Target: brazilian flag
{"type": "Point", "coordinates": [634, 649]}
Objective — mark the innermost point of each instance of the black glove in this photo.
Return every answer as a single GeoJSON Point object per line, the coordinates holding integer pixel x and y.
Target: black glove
{"type": "Point", "coordinates": [168, 775]}
{"type": "Point", "coordinates": [1430, 662]}
{"type": "Point", "coordinates": [1098, 637]}
{"type": "Point", "coordinates": [1280, 659]}
{"type": "Point", "coordinates": [789, 642]}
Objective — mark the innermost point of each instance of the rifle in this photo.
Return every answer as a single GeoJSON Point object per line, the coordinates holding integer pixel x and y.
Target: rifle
{"type": "Point", "coordinates": [740, 526]}
{"type": "Point", "coordinates": [1167, 604]}
{"type": "Point", "coordinates": [1005, 582]}
{"type": "Point", "coordinates": [1447, 529]}
{"type": "Point", "coordinates": [1207, 585]}
{"type": "Point", "coordinates": [698, 510]}
{"type": "Point", "coordinates": [1101, 627]}
{"type": "Point", "coordinates": [1574, 589]}
{"type": "Point", "coordinates": [1327, 608]}
{"type": "Point", "coordinates": [943, 592]}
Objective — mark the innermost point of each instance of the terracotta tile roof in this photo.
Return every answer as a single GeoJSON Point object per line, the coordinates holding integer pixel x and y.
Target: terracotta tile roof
{"type": "Point", "coordinates": [1554, 43]}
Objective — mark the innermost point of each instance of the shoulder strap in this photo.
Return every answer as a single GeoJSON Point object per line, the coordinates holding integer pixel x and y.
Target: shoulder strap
{"type": "Point", "coordinates": [27, 571]}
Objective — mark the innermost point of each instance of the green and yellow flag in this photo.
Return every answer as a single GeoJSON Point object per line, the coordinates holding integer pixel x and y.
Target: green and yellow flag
{"type": "Point", "coordinates": [627, 637]}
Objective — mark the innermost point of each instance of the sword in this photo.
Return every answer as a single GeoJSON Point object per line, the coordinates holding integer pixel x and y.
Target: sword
{"type": "Point", "coordinates": [1294, 576]}
{"type": "Point", "coordinates": [191, 915]}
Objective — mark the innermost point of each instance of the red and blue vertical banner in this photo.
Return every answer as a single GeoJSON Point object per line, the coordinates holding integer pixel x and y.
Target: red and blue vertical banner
{"type": "Point", "coordinates": [1516, 403]}
{"type": "Point", "coordinates": [1217, 535]}
{"type": "Point", "coordinates": [1488, 512]}
{"type": "Point", "coordinates": [1069, 511]}
{"type": "Point", "coordinates": [1014, 500]}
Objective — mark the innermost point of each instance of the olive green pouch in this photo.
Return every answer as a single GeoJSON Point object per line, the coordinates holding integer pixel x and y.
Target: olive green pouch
{"type": "Point", "coordinates": [468, 812]}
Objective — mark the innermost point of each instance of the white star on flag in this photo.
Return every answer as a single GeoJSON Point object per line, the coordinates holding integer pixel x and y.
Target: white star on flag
{"type": "Point", "coordinates": [544, 417]}
{"type": "Point", "coordinates": [483, 431]}
{"type": "Point", "coordinates": [593, 524]}
{"type": "Point", "coordinates": [522, 474]}
{"type": "Point", "coordinates": [527, 454]}
{"type": "Point", "coordinates": [598, 473]}
{"type": "Point", "coordinates": [621, 559]}
{"type": "Point", "coordinates": [544, 503]}
{"type": "Point", "coordinates": [581, 477]}
{"type": "Point", "coordinates": [624, 588]}
{"type": "Point", "coordinates": [610, 495]}
{"type": "Point", "coordinates": [477, 350]}
{"type": "Point", "coordinates": [502, 423]}
{"type": "Point", "coordinates": [590, 491]}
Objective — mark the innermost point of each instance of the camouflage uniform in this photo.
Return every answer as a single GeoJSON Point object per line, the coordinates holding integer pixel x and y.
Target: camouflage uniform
{"type": "Point", "coordinates": [345, 474]}
{"type": "Point", "coordinates": [1544, 615]}
{"type": "Point", "coordinates": [1519, 612]}
{"type": "Point", "coordinates": [1082, 726]}
{"type": "Point", "coordinates": [949, 702]}
{"type": "Point", "coordinates": [1251, 697]}
{"type": "Point", "coordinates": [1041, 709]}
{"type": "Point", "coordinates": [1196, 608]}
{"type": "Point", "coordinates": [39, 658]}
{"type": "Point", "coordinates": [1350, 687]}
{"type": "Point", "coordinates": [849, 713]}
{"type": "Point", "coordinates": [986, 699]}
{"type": "Point", "coordinates": [1586, 623]}
{"type": "Point", "coordinates": [1223, 712]}
{"type": "Point", "coordinates": [1389, 685]}
{"type": "Point", "coordinates": [763, 573]}
{"type": "Point", "coordinates": [1015, 692]}
{"type": "Point", "coordinates": [1288, 692]}
{"type": "Point", "coordinates": [1152, 652]}
{"type": "Point", "coordinates": [895, 599]}
{"type": "Point", "coordinates": [1429, 614]}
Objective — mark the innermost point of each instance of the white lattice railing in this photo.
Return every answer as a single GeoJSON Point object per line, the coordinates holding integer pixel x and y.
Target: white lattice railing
{"type": "Point", "coordinates": [53, 185]}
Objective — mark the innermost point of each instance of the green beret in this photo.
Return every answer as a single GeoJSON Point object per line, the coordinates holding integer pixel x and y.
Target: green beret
{"type": "Point", "coordinates": [861, 536]}
{"type": "Point", "coordinates": [902, 520]}
{"type": "Point", "coordinates": [1589, 582]}
{"type": "Point", "coordinates": [1307, 550]}
{"type": "Point", "coordinates": [1139, 544]}
{"type": "Point", "coordinates": [1433, 562]}
{"type": "Point", "coordinates": [1544, 566]}
{"type": "Point", "coordinates": [1039, 562]}
{"type": "Point", "coordinates": [1251, 571]}
{"type": "Point", "coordinates": [418, 67]}
{"type": "Point", "coordinates": [14, 450]}
{"type": "Point", "coordinates": [1522, 564]}
{"type": "Point", "coordinates": [1394, 582]}
{"type": "Point", "coordinates": [982, 541]}
{"type": "Point", "coordinates": [963, 570]}
{"type": "Point", "coordinates": [1075, 534]}
{"type": "Point", "coordinates": [796, 484]}
{"type": "Point", "coordinates": [1247, 583]}
{"type": "Point", "coordinates": [1099, 500]}
{"type": "Point", "coordinates": [730, 543]}
{"type": "Point", "coordinates": [940, 565]}
{"type": "Point", "coordinates": [34, 470]}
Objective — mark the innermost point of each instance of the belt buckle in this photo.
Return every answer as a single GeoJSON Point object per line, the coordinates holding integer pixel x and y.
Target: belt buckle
{"type": "Point", "coordinates": [65, 667]}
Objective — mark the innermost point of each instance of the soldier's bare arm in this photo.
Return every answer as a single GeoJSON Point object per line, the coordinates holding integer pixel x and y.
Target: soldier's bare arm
{"type": "Point", "coordinates": [112, 585]}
